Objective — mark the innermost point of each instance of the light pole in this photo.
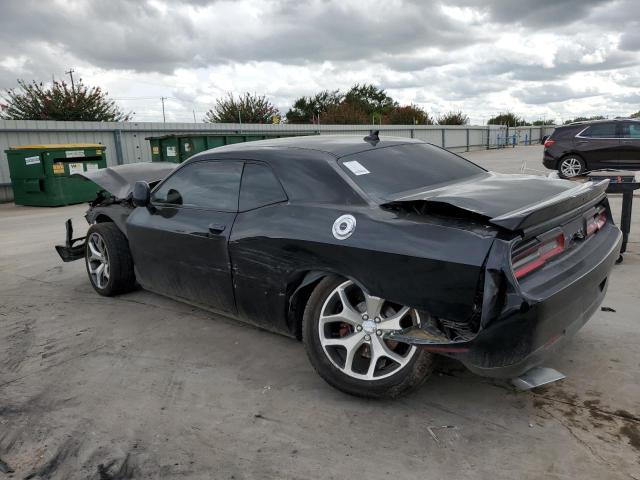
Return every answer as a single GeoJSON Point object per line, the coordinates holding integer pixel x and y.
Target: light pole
{"type": "Point", "coordinates": [73, 86]}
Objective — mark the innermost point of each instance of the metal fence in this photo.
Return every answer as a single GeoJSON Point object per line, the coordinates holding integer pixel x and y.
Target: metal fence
{"type": "Point", "coordinates": [125, 141]}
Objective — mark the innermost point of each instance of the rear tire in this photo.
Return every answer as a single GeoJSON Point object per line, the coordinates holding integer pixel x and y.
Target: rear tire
{"type": "Point", "coordinates": [571, 166]}
{"type": "Point", "coordinates": [329, 334]}
{"type": "Point", "coordinates": [108, 260]}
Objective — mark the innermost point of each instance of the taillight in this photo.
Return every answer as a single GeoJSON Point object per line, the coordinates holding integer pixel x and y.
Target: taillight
{"type": "Point", "coordinates": [532, 258]}
{"type": "Point", "coordinates": [549, 143]}
{"type": "Point", "coordinates": [596, 223]}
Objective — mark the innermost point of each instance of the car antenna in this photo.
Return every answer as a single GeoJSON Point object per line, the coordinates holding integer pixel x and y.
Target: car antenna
{"type": "Point", "coordinates": [373, 138]}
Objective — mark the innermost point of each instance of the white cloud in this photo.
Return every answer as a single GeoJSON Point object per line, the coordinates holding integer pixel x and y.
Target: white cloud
{"type": "Point", "coordinates": [552, 59]}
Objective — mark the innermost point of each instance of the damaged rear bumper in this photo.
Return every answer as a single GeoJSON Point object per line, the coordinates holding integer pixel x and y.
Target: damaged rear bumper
{"type": "Point", "coordinates": [73, 249]}
{"type": "Point", "coordinates": [523, 338]}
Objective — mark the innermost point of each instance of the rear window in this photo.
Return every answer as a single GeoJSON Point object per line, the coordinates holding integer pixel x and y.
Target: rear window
{"type": "Point", "coordinates": [631, 130]}
{"type": "Point", "coordinates": [566, 132]}
{"type": "Point", "coordinates": [389, 170]}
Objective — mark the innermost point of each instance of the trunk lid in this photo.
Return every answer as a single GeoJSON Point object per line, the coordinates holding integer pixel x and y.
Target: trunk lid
{"type": "Point", "coordinates": [512, 202]}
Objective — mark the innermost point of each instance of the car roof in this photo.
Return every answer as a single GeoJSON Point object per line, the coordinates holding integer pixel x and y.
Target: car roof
{"type": "Point", "coordinates": [605, 120]}
{"type": "Point", "coordinates": [335, 145]}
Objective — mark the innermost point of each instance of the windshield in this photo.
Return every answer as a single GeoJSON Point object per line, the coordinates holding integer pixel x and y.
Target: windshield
{"type": "Point", "coordinates": [400, 168]}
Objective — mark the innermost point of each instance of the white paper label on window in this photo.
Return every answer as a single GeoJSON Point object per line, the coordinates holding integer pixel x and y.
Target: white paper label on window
{"type": "Point", "coordinates": [91, 166]}
{"type": "Point", "coordinates": [32, 160]}
{"type": "Point", "coordinates": [356, 167]}
{"type": "Point", "coordinates": [171, 151]}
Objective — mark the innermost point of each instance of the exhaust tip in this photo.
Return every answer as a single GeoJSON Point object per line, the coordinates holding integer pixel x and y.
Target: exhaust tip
{"type": "Point", "coordinates": [536, 377]}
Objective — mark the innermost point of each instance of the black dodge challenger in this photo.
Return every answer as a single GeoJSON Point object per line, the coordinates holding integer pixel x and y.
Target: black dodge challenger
{"type": "Point", "coordinates": [377, 253]}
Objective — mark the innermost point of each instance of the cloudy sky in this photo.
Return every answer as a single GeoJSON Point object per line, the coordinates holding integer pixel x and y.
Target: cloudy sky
{"type": "Point", "coordinates": [540, 59]}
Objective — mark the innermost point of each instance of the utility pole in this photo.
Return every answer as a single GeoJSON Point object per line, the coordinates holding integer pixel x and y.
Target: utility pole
{"type": "Point", "coordinates": [164, 118]}
{"type": "Point", "coordinates": [194, 116]}
{"type": "Point", "coordinates": [70, 73]}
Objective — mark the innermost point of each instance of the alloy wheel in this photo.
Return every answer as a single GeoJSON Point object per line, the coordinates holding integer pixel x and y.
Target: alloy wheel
{"type": "Point", "coordinates": [571, 167]}
{"type": "Point", "coordinates": [98, 260]}
{"type": "Point", "coordinates": [353, 326]}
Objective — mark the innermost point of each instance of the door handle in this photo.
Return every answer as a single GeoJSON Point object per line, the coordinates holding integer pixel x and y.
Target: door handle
{"type": "Point", "coordinates": [216, 228]}
{"type": "Point", "coordinates": [627, 141]}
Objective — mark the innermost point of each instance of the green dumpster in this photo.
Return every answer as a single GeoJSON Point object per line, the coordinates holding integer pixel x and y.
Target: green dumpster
{"type": "Point", "coordinates": [177, 148]}
{"type": "Point", "coordinates": [41, 174]}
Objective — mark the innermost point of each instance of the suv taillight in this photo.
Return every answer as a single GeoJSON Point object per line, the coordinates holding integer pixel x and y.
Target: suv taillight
{"type": "Point", "coordinates": [549, 143]}
{"type": "Point", "coordinates": [533, 257]}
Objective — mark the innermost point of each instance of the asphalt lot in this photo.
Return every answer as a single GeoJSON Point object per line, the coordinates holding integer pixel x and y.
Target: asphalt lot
{"type": "Point", "coordinates": [140, 386]}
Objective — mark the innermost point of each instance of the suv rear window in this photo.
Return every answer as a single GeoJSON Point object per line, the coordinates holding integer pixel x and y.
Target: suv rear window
{"type": "Point", "coordinates": [401, 168]}
{"type": "Point", "coordinates": [631, 130]}
{"type": "Point", "coordinates": [600, 130]}
{"type": "Point", "coordinates": [566, 132]}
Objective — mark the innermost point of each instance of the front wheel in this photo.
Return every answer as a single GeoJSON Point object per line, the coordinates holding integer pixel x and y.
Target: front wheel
{"type": "Point", "coordinates": [108, 260]}
{"type": "Point", "coordinates": [344, 332]}
{"type": "Point", "coordinates": [571, 166]}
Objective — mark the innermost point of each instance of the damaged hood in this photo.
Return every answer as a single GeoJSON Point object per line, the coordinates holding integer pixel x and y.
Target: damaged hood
{"type": "Point", "coordinates": [119, 180]}
{"type": "Point", "coordinates": [510, 201]}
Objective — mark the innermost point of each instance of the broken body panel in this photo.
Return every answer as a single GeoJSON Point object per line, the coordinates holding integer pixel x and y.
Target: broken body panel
{"type": "Point", "coordinates": [445, 250]}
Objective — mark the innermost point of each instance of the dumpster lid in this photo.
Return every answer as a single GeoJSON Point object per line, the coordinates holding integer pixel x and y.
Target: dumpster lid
{"type": "Point", "coordinates": [119, 180]}
{"type": "Point", "coordinates": [57, 145]}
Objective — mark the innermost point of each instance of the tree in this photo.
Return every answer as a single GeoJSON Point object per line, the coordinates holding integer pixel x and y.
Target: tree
{"type": "Point", "coordinates": [35, 101]}
{"type": "Point", "coordinates": [635, 115]}
{"type": "Point", "coordinates": [584, 119]}
{"type": "Point", "coordinates": [247, 108]}
{"type": "Point", "coordinates": [306, 109]}
{"type": "Point", "coordinates": [540, 123]}
{"type": "Point", "coordinates": [453, 118]}
{"type": "Point", "coordinates": [407, 115]}
{"type": "Point", "coordinates": [361, 104]}
{"type": "Point", "coordinates": [345, 113]}
{"type": "Point", "coordinates": [508, 118]}
{"type": "Point", "coordinates": [373, 101]}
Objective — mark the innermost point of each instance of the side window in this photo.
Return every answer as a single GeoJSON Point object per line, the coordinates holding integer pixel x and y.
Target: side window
{"type": "Point", "coordinates": [205, 184]}
{"type": "Point", "coordinates": [631, 130]}
{"type": "Point", "coordinates": [600, 130]}
{"type": "Point", "coordinates": [259, 187]}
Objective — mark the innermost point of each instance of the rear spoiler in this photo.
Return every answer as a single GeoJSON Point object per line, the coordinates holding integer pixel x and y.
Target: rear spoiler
{"type": "Point", "coordinates": [587, 194]}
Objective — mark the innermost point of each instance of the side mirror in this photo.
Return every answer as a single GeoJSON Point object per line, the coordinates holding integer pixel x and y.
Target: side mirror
{"type": "Point", "coordinates": [141, 194]}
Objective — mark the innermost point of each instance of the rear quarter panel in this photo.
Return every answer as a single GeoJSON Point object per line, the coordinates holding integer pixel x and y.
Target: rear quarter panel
{"type": "Point", "coordinates": [428, 265]}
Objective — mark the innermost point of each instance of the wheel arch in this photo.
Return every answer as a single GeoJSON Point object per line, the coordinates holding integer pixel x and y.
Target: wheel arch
{"type": "Point", "coordinates": [108, 215]}
{"type": "Point", "coordinates": [301, 287]}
